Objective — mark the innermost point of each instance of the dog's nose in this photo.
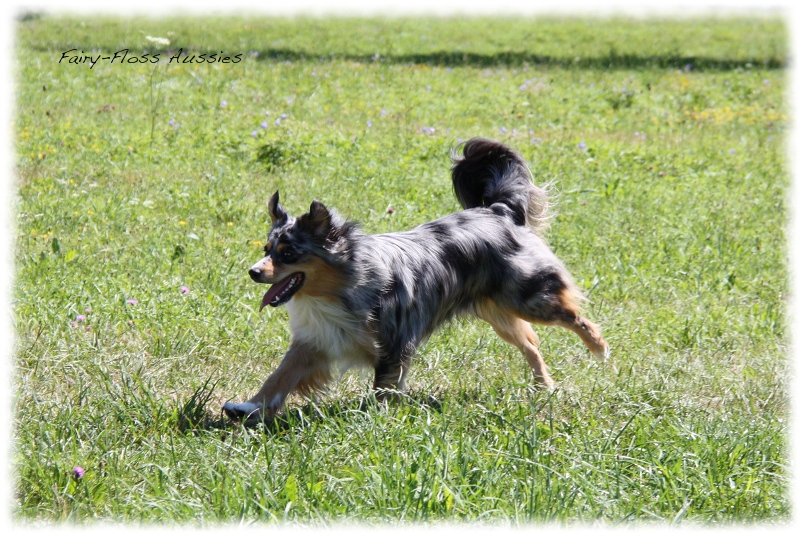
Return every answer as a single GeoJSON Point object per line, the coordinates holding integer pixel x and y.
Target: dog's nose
{"type": "Point", "coordinates": [255, 273]}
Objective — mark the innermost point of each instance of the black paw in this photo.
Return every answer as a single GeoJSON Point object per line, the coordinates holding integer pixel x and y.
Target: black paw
{"type": "Point", "coordinates": [248, 413]}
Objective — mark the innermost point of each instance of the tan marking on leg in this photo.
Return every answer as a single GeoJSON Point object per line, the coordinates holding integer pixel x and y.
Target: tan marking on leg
{"type": "Point", "coordinates": [589, 334]}
{"type": "Point", "coordinates": [570, 300]}
{"type": "Point", "coordinates": [302, 369]}
{"type": "Point", "coordinates": [573, 321]}
{"type": "Point", "coordinates": [519, 333]}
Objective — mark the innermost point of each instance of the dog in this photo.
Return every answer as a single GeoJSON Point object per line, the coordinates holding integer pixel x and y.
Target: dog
{"type": "Point", "coordinates": [371, 300]}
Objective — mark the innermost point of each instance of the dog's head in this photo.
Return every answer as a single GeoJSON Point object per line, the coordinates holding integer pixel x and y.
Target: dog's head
{"type": "Point", "coordinates": [296, 253]}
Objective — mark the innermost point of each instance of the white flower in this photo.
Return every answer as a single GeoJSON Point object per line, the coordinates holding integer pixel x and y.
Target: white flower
{"type": "Point", "coordinates": [158, 40]}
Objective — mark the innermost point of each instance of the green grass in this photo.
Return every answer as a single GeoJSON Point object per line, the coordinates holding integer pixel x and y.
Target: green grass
{"type": "Point", "coordinates": [672, 187]}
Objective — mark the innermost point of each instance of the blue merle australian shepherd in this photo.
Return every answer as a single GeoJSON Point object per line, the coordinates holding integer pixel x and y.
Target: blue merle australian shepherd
{"type": "Point", "coordinates": [355, 299]}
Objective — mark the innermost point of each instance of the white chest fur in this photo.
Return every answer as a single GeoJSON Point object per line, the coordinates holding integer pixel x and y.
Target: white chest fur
{"type": "Point", "coordinates": [330, 328]}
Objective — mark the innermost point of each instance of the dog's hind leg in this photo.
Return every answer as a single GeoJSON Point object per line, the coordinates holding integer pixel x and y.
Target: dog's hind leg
{"type": "Point", "coordinates": [303, 369]}
{"type": "Point", "coordinates": [589, 334]}
{"type": "Point", "coordinates": [519, 333]}
{"type": "Point", "coordinates": [560, 308]}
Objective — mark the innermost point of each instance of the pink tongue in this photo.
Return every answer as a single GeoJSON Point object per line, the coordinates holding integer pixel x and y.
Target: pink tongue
{"type": "Point", "coordinates": [274, 291]}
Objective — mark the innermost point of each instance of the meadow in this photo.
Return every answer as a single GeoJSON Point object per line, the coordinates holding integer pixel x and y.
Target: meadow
{"type": "Point", "coordinates": [140, 203]}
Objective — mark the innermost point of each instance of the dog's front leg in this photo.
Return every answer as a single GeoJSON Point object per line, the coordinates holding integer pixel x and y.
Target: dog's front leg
{"type": "Point", "coordinates": [303, 369]}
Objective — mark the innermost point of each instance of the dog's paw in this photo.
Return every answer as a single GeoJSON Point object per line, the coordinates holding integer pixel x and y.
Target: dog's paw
{"type": "Point", "coordinates": [249, 413]}
{"type": "Point", "coordinates": [545, 383]}
{"type": "Point", "coordinates": [604, 354]}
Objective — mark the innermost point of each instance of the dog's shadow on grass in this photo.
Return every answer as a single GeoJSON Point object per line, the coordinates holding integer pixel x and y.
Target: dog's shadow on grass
{"type": "Point", "coordinates": [200, 413]}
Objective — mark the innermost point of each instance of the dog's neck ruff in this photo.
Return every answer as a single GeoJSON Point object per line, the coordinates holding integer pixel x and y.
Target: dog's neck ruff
{"type": "Point", "coordinates": [330, 328]}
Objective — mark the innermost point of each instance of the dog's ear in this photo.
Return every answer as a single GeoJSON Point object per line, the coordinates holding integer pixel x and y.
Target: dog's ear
{"type": "Point", "coordinates": [317, 221]}
{"type": "Point", "coordinates": [276, 211]}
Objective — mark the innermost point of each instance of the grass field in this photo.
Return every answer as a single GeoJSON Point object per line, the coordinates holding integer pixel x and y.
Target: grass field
{"type": "Point", "coordinates": [140, 202]}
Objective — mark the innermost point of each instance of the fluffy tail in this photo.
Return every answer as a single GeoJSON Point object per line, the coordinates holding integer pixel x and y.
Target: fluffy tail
{"type": "Point", "coordinates": [491, 173]}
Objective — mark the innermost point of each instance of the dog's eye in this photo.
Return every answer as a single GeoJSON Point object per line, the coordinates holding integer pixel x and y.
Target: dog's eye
{"type": "Point", "coordinates": [287, 256]}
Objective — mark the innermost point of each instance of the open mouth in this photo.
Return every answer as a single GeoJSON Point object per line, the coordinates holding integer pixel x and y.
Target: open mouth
{"type": "Point", "coordinates": [282, 292]}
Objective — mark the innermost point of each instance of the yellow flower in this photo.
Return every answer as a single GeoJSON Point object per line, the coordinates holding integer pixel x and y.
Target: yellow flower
{"type": "Point", "coordinates": [258, 243]}
{"type": "Point", "coordinates": [182, 222]}
{"type": "Point", "coordinates": [230, 223]}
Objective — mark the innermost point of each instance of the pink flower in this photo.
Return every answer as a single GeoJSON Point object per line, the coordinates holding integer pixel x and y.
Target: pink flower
{"type": "Point", "coordinates": [78, 472]}
{"type": "Point", "coordinates": [390, 210]}
{"type": "Point", "coordinates": [80, 318]}
{"type": "Point", "coordinates": [131, 301]}
{"type": "Point", "coordinates": [184, 289]}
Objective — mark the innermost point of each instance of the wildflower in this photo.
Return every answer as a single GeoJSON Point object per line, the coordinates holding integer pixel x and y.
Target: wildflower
{"type": "Point", "coordinates": [131, 301]}
{"type": "Point", "coordinates": [74, 323]}
{"type": "Point", "coordinates": [182, 222]}
{"type": "Point", "coordinates": [162, 41]}
{"type": "Point", "coordinates": [384, 112]}
{"type": "Point", "coordinates": [88, 328]}
{"type": "Point", "coordinates": [78, 472]}
{"type": "Point", "coordinates": [80, 318]}
{"type": "Point", "coordinates": [283, 115]}
{"type": "Point", "coordinates": [733, 151]}
{"type": "Point", "coordinates": [264, 125]}
{"type": "Point", "coordinates": [503, 129]}
{"type": "Point", "coordinates": [87, 310]}
{"type": "Point", "coordinates": [184, 289]}
{"type": "Point", "coordinates": [278, 121]}
{"type": "Point", "coordinates": [369, 123]}
{"type": "Point", "coordinates": [255, 133]}
{"type": "Point", "coordinates": [536, 140]}
{"type": "Point", "coordinates": [581, 145]}
{"type": "Point", "coordinates": [390, 209]}
{"type": "Point", "coordinates": [223, 103]}
{"type": "Point", "coordinates": [330, 121]}
{"type": "Point", "coordinates": [254, 53]}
